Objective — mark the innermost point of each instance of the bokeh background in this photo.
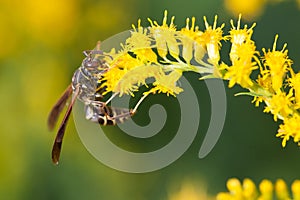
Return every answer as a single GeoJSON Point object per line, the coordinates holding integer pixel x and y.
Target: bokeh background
{"type": "Point", "coordinates": [41, 44]}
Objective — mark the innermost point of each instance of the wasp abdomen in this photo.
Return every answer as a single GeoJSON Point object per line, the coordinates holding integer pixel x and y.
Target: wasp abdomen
{"type": "Point", "coordinates": [106, 115]}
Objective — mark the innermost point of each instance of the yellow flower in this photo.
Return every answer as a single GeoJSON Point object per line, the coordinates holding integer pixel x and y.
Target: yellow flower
{"type": "Point", "coordinates": [139, 37]}
{"type": "Point", "coordinates": [119, 67]}
{"type": "Point", "coordinates": [238, 191]}
{"type": "Point", "coordinates": [257, 100]}
{"type": "Point", "coordinates": [265, 81]}
{"type": "Point", "coordinates": [136, 77]}
{"type": "Point", "coordinates": [296, 189]}
{"type": "Point", "coordinates": [248, 190]}
{"type": "Point", "coordinates": [241, 37]}
{"type": "Point", "coordinates": [240, 73]}
{"type": "Point", "coordinates": [289, 128]}
{"type": "Point", "coordinates": [266, 189]}
{"type": "Point", "coordinates": [140, 44]}
{"type": "Point", "coordinates": [235, 187]}
{"type": "Point", "coordinates": [242, 53]}
{"type": "Point", "coordinates": [189, 37]}
{"type": "Point", "coordinates": [276, 63]}
{"type": "Point", "coordinates": [281, 189]}
{"type": "Point", "coordinates": [164, 36]}
{"type": "Point", "coordinates": [280, 105]}
{"type": "Point", "coordinates": [294, 83]}
{"type": "Point", "coordinates": [211, 39]}
{"type": "Point", "coordinates": [166, 84]}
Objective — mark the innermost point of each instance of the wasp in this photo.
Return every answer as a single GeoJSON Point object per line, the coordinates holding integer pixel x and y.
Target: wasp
{"type": "Point", "coordinates": [85, 86]}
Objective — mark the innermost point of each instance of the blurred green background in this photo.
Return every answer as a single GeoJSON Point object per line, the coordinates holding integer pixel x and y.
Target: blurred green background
{"type": "Point", "coordinates": [41, 44]}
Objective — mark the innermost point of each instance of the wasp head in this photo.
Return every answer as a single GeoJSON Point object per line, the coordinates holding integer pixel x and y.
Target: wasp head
{"type": "Point", "coordinates": [94, 65]}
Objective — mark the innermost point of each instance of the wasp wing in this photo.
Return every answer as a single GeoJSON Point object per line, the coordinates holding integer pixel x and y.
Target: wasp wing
{"type": "Point", "coordinates": [58, 107]}
{"type": "Point", "coordinates": [61, 131]}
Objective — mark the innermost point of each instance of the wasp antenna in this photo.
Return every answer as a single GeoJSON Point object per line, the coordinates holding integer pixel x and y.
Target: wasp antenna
{"type": "Point", "coordinates": [86, 53]}
{"type": "Point", "coordinates": [98, 45]}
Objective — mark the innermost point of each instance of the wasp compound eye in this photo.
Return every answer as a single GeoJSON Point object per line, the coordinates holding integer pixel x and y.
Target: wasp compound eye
{"type": "Point", "coordinates": [91, 64]}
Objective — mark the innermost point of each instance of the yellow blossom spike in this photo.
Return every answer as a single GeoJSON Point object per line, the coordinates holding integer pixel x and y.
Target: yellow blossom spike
{"type": "Point", "coordinates": [266, 189]}
{"type": "Point", "coordinates": [211, 40]}
{"type": "Point", "coordinates": [192, 43]}
{"type": "Point", "coordinates": [166, 84]}
{"type": "Point", "coordinates": [224, 196]}
{"type": "Point", "coordinates": [234, 186]}
{"type": "Point", "coordinates": [276, 64]}
{"type": "Point", "coordinates": [296, 190]}
{"type": "Point", "coordinates": [240, 72]}
{"type": "Point", "coordinates": [294, 83]}
{"type": "Point", "coordinates": [281, 190]}
{"type": "Point", "coordinates": [289, 128]}
{"type": "Point", "coordinates": [164, 36]}
{"type": "Point", "coordinates": [239, 35]}
{"type": "Point", "coordinates": [249, 191]}
{"type": "Point", "coordinates": [136, 77]}
{"type": "Point", "coordinates": [280, 105]}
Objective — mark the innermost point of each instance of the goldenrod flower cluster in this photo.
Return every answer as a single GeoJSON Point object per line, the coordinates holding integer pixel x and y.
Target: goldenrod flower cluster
{"type": "Point", "coordinates": [164, 52]}
{"type": "Point", "coordinates": [265, 191]}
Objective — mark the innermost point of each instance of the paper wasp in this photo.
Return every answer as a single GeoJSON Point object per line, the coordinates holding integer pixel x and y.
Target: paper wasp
{"type": "Point", "coordinates": [85, 86]}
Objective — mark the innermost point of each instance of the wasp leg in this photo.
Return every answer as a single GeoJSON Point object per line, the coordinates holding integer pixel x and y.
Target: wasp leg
{"type": "Point", "coordinates": [116, 115]}
{"type": "Point", "coordinates": [97, 111]}
{"type": "Point", "coordinates": [139, 103]}
{"type": "Point", "coordinates": [106, 115]}
{"type": "Point", "coordinates": [111, 98]}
